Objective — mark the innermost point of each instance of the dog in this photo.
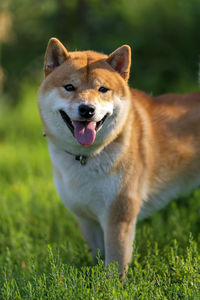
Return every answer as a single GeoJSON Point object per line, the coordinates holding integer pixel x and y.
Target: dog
{"type": "Point", "coordinates": [117, 153]}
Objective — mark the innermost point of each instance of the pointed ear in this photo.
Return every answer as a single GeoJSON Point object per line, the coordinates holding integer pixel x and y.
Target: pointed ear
{"type": "Point", "coordinates": [120, 61]}
{"type": "Point", "coordinates": [55, 55]}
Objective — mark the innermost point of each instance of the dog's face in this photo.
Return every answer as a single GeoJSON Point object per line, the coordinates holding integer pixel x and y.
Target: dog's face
{"type": "Point", "coordinates": [84, 99]}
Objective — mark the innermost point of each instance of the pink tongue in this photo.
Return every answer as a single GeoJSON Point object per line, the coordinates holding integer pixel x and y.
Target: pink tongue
{"type": "Point", "coordinates": [84, 132]}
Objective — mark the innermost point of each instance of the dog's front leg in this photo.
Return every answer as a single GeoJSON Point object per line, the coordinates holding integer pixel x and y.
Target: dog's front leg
{"type": "Point", "coordinates": [120, 233]}
{"type": "Point", "coordinates": [93, 235]}
{"type": "Point", "coordinates": [118, 244]}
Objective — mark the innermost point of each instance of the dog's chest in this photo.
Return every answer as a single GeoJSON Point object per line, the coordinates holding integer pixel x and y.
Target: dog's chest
{"type": "Point", "coordinates": [89, 190]}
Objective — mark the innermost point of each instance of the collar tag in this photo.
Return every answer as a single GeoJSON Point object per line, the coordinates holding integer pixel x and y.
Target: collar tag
{"type": "Point", "coordinates": [82, 158]}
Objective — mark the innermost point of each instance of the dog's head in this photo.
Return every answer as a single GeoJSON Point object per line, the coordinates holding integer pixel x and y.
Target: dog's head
{"type": "Point", "coordinates": [84, 99]}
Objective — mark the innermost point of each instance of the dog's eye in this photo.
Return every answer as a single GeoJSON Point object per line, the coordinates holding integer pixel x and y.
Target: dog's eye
{"type": "Point", "coordinates": [69, 87]}
{"type": "Point", "coordinates": [103, 89]}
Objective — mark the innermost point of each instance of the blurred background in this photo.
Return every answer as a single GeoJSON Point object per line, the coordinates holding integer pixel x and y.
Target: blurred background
{"type": "Point", "coordinates": [165, 41]}
{"type": "Point", "coordinates": [164, 37]}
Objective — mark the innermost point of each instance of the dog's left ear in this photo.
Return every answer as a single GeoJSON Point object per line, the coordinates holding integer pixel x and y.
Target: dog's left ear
{"type": "Point", "coordinates": [55, 55]}
{"type": "Point", "coordinates": [120, 61]}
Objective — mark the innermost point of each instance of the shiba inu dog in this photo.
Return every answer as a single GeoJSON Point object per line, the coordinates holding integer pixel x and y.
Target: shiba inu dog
{"type": "Point", "coordinates": [118, 154]}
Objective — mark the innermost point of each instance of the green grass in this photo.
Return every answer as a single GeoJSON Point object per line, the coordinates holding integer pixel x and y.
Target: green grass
{"type": "Point", "coordinates": [42, 254]}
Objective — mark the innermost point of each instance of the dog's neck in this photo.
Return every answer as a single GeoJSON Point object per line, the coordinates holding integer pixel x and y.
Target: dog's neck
{"type": "Point", "coordinates": [81, 158]}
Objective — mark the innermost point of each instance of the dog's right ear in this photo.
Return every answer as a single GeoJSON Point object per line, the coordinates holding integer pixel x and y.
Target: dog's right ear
{"type": "Point", "coordinates": [55, 55]}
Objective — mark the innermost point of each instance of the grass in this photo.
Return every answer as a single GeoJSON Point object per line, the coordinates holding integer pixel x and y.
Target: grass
{"type": "Point", "coordinates": [42, 254]}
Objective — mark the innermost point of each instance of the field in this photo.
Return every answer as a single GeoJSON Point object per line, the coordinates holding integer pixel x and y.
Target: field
{"type": "Point", "coordinates": [42, 254]}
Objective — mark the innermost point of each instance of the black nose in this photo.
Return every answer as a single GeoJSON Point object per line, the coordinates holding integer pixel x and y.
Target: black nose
{"type": "Point", "coordinates": [86, 111]}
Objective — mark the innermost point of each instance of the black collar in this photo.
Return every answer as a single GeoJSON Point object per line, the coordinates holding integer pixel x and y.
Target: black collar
{"type": "Point", "coordinates": [82, 158]}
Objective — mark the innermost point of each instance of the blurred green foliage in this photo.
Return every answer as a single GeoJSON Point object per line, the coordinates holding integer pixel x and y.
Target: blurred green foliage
{"type": "Point", "coordinates": [164, 36]}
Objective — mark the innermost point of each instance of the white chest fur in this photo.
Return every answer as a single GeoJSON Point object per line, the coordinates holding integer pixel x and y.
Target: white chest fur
{"type": "Point", "coordinates": [89, 190]}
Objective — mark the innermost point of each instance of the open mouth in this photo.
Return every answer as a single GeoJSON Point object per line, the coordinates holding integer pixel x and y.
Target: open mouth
{"type": "Point", "coordinates": [67, 121]}
{"type": "Point", "coordinates": [84, 131]}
